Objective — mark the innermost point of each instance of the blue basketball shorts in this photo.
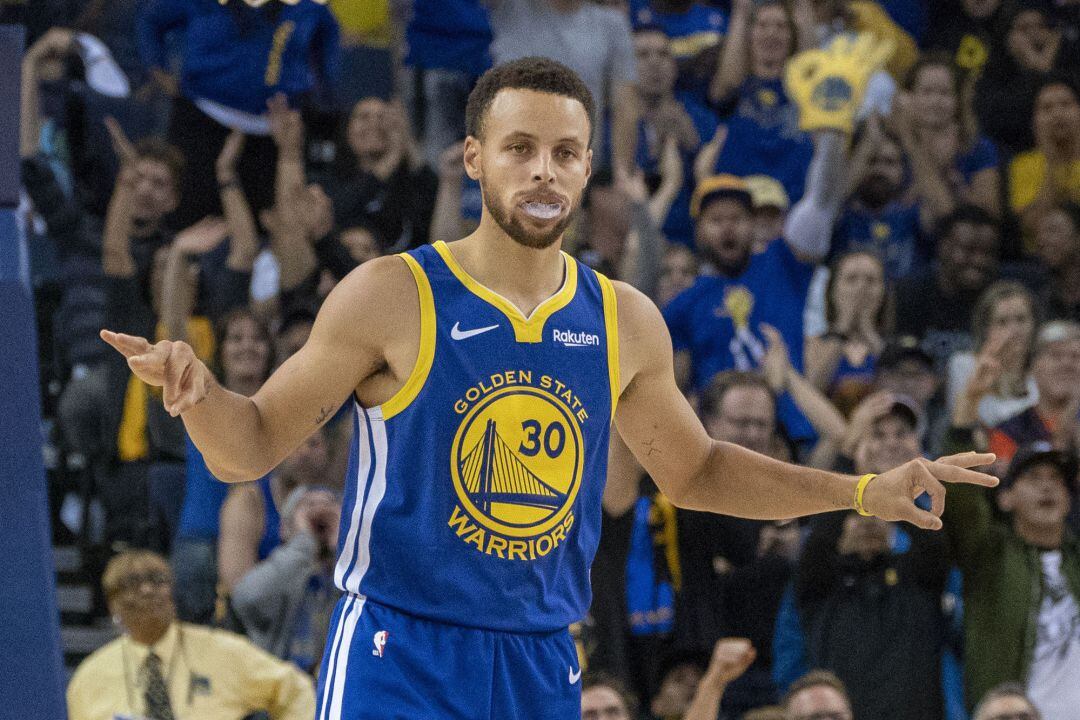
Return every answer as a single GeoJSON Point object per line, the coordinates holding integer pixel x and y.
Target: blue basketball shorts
{"type": "Point", "coordinates": [381, 663]}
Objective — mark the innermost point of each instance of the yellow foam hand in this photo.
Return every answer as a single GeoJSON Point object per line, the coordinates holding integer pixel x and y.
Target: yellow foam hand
{"type": "Point", "coordinates": [828, 84]}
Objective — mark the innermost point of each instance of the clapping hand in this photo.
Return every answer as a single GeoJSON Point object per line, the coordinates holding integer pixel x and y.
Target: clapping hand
{"type": "Point", "coordinates": [121, 144]}
{"type": "Point", "coordinates": [229, 156]}
{"type": "Point", "coordinates": [988, 366]}
{"type": "Point", "coordinates": [286, 127]}
{"type": "Point", "coordinates": [55, 43]}
{"type": "Point", "coordinates": [865, 414]}
{"type": "Point", "coordinates": [777, 361]}
{"type": "Point", "coordinates": [202, 237]}
{"type": "Point", "coordinates": [631, 184]}
{"type": "Point", "coordinates": [317, 212]}
{"type": "Point", "coordinates": [451, 164]}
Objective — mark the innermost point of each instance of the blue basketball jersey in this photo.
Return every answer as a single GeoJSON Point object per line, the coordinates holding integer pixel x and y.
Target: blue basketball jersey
{"type": "Point", "coordinates": [473, 495]}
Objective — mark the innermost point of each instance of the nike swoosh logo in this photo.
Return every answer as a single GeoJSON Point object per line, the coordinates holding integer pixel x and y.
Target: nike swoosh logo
{"type": "Point", "coordinates": [574, 676]}
{"type": "Point", "coordinates": [458, 334]}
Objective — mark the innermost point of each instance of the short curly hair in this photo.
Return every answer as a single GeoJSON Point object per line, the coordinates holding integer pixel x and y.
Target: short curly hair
{"type": "Point", "coordinates": [529, 73]}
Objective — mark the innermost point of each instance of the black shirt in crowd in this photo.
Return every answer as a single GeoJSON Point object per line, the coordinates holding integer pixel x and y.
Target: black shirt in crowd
{"type": "Point", "coordinates": [876, 623]}
{"type": "Point", "coordinates": [940, 319]}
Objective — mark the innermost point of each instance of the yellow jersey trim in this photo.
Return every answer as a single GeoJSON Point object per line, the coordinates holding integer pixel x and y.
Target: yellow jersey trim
{"type": "Point", "coordinates": [426, 354]}
{"type": "Point", "coordinates": [526, 329]}
{"type": "Point", "coordinates": [611, 327]}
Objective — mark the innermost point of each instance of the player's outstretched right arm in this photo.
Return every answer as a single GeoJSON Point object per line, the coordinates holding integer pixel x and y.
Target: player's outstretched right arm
{"type": "Point", "coordinates": [360, 331]}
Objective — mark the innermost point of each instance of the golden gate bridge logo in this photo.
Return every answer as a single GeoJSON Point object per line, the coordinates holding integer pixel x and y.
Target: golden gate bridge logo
{"type": "Point", "coordinates": [493, 474]}
{"type": "Point", "coordinates": [517, 462]}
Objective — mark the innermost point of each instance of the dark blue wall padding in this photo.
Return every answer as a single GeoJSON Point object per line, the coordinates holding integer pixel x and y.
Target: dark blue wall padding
{"type": "Point", "coordinates": [32, 680]}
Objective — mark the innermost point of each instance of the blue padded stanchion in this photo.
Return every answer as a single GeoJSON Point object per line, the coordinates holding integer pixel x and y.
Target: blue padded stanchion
{"type": "Point", "coordinates": [32, 682]}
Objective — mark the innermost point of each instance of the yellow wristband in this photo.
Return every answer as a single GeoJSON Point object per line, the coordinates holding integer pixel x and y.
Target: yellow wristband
{"type": "Point", "coordinates": [859, 490]}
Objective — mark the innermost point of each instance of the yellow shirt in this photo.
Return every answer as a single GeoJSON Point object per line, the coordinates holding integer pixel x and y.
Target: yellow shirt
{"type": "Point", "coordinates": [368, 20]}
{"type": "Point", "coordinates": [1027, 172]}
{"type": "Point", "coordinates": [132, 439]}
{"type": "Point", "coordinates": [211, 675]}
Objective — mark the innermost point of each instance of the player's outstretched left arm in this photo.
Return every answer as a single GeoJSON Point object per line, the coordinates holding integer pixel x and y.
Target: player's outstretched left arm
{"type": "Point", "coordinates": [699, 473]}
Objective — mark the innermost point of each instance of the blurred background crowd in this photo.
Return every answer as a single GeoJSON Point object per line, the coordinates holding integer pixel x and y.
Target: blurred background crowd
{"type": "Point", "coordinates": [207, 172]}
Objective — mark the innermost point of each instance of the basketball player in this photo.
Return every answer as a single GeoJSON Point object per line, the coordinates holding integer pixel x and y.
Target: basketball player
{"type": "Point", "coordinates": [485, 376]}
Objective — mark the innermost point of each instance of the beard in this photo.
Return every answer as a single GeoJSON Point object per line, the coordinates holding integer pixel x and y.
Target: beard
{"type": "Point", "coordinates": [513, 227]}
{"type": "Point", "coordinates": [876, 191]}
{"type": "Point", "coordinates": [729, 261]}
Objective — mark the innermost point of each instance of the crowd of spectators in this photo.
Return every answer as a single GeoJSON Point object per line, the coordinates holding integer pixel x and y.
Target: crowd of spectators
{"type": "Point", "coordinates": [207, 171]}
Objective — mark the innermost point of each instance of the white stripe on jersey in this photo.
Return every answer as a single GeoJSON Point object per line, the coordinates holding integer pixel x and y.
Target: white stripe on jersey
{"type": "Point", "coordinates": [375, 496]}
{"type": "Point", "coordinates": [335, 646]}
{"type": "Point", "coordinates": [341, 666]}
{"type": "Point", "coordinates": [362, 470]}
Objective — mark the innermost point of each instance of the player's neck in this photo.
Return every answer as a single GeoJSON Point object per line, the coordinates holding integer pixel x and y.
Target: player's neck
{"type": "Point", "coordinates": [525, 276]}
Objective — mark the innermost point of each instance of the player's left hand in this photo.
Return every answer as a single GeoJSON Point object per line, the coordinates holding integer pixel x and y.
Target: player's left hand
{"type": "Point", "coordinates": [891, 495]}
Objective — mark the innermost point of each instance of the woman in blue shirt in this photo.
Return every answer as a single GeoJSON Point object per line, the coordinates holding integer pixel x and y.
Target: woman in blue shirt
{"type": "Point", "coordinates": [841, 362]}
{"type": "Point", "coordinates": [244, 360]}
{"type": "Point", "coordinates": [951, 163]}
{"type": "Point", "coordinates": [761, 133]}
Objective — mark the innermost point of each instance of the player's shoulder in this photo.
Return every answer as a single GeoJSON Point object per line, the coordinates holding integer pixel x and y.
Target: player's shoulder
{"type": "Point", "coordinates": [385, 274]}
{"type": "Point", "coordinates": [630, 297]}
{"type": "Point", "coordinates": [637, 313]}
{"type": "Point", "coordinates": [379, 287]}
{"type": "Point", "coordinates": [644, 341]}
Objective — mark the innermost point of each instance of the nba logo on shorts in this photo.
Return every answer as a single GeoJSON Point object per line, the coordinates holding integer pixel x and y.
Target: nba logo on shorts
{"type": "Point", "coordinates": [380, 642]}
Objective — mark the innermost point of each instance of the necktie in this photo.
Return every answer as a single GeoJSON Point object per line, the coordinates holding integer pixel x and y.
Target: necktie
{"type": "Point", "coordinates": [157, 694]}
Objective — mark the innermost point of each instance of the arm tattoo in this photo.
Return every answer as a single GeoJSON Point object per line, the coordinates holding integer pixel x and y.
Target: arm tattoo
{"type": "Point", "coordinates": [323, 415]}
{"type": "Point", "coordinates": [651, 448]}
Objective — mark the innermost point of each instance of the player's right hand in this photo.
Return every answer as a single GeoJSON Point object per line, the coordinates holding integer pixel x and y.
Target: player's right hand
{"type": "Point", "coordinates": [171, 365]}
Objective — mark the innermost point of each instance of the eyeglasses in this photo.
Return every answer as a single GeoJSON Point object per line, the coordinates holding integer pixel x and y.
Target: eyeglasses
{"type": "Point", "coordinates": [747, 423]}
{"type": "Point", "coordinates": [134, 581]}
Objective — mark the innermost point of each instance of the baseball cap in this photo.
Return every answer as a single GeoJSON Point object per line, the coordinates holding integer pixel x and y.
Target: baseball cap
{"type": "Point", "coordinates": [1040, 452]}
{"type": "Point", "coordinates": [907, 410]}
{"type": "Point", "coordinates": [720, 186]}
{"type": "Point", "coordinates": [1056, 331]}
{"type": "Point", "coordinates": [905, 347]}
{"type": "Point", "coordinates": [766, 191]}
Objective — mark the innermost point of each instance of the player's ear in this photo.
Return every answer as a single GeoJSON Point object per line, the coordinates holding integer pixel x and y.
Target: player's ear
{"type": "Point", "coordinates": [472, 157]}
{"type": "Point", "coordinates": [588, 164]}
